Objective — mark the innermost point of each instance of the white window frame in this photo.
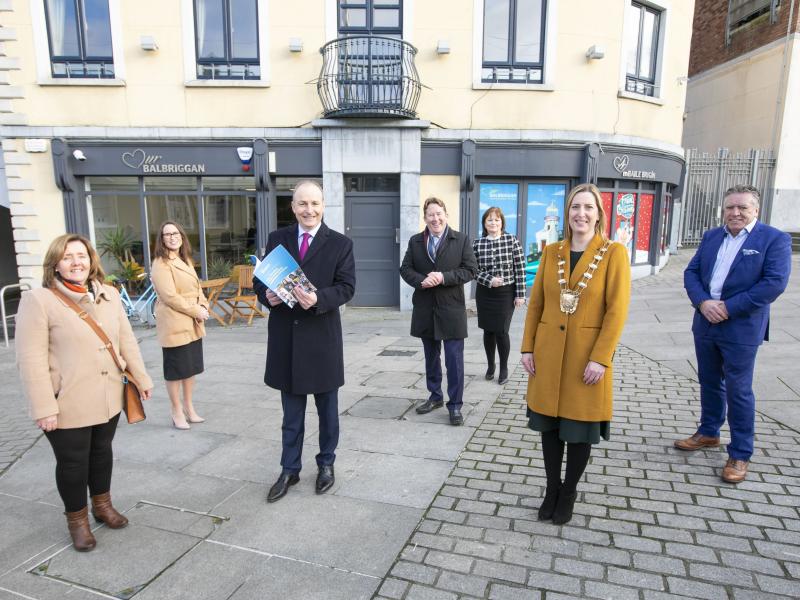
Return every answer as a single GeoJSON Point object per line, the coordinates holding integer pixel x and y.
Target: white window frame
{"type": "Point", "coordinates": [550, 35]}
{"type": "Point", "coordinates": [665, 7]}
{"type": "Point", "coordinates": [190, 51]}
{"type": "Point", "coordinates": [332, 20]}
{"type": "Point", "coordinates": [41, 45]}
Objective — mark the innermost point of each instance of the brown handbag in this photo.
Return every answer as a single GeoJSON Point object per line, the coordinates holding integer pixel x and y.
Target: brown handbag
{"type": "Point", "coordinates": [131, 400]}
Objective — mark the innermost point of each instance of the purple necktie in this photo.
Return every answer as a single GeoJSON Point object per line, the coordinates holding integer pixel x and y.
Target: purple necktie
{"type": "Point", "coordinates": [304, 245]}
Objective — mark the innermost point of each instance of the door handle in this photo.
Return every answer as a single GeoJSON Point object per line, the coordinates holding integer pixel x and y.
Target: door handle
{"type": "Point", "coordinates": [397, 235]}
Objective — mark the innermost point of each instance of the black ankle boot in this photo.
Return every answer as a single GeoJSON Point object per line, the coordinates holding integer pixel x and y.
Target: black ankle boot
{"type": "Point", "coordinates": [490, 372]}
{"type": "Point", "coordinates": [564, 507]}
{"type": "Point", "coordinates": [548, 505]}
{"type": "Point", "coordinates": [502, 377]}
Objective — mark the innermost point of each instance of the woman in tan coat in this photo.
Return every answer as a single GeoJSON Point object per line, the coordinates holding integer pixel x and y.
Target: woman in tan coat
{"type": "Point", "coordinates": [577, 309]}
{"type": "Point", "coordinates": [71, 381]}
{"type": "Point", "coordinates": [181, 311]}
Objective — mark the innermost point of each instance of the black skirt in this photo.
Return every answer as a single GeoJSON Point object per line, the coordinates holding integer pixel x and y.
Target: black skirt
{"type": "Point", "coordinates": [495, 307]}
{"type": "Point", "coordinates": [182, 362]}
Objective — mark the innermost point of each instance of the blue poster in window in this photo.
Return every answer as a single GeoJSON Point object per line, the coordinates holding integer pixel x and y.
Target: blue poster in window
{"type": "Point", "coordinates": [504, 196]}
{"type": "Point", "coordinates": [545, 223]}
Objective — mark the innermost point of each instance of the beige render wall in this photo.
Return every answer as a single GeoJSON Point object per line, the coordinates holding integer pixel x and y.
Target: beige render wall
{"type": "Point", "coordinates": [733, 106]}
{"type": "Point", "coordinates": [584, 97]}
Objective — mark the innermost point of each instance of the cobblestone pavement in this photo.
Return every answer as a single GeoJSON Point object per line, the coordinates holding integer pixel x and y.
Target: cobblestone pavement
{"type": "Point", "coordinates": [650, 522]}
{"type": "Point", "coordinates": [17, 432]}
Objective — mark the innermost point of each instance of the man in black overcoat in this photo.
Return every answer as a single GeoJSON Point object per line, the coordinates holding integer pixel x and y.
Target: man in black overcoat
{"type": "Point", "coordinates": [437, 264]}
{"type": "Point", "coordinates": [304, 347]}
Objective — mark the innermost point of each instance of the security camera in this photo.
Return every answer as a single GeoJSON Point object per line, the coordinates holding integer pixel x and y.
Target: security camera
{"type": "Point", "coordinates": [79, 155]}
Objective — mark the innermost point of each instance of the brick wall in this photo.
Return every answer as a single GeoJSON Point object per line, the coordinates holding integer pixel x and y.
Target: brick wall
{"type": "Point", "coordinates": [708, 34]}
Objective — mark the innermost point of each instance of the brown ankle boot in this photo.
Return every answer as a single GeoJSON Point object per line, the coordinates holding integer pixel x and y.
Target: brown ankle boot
{"type": "Point", "coordinates": [104, 512]}
{"type": "Point", "coordinates": [78, 524]}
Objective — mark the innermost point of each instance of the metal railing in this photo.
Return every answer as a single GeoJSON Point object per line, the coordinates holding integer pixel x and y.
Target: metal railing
{"type": "Point", "coordinates": [6, 317]}
{"type": "Point", "coordinates": [368, 76]}
{"type": "Point", "coordinates": [707, 178]}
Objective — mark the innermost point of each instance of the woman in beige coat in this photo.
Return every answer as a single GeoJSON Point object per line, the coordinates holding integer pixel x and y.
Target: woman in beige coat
{"type": "Point", "coordinates": [181, 311]}
{"type": "Point", "coordinates": [576, 312]}
{"type": "Point", "coordinates": [71, 381]}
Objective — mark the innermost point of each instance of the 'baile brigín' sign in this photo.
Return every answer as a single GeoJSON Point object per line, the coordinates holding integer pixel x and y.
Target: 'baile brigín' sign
{"type": "Point", "coordinates": [151, 163]}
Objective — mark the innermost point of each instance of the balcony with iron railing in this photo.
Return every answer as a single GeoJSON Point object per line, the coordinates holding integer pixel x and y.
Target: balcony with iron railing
{"type": "Point", "coordinates": [369, 76]}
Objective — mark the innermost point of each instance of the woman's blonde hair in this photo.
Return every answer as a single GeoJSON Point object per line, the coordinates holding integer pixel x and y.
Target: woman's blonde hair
{"type": "Point", "coordinates": [600, 226]}
{"type": "Point", "coordinates": [56, 252]}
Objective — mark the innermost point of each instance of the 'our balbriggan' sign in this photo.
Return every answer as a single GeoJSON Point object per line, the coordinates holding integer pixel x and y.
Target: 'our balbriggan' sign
{"type": "Point", "coordinates": [151, 163]}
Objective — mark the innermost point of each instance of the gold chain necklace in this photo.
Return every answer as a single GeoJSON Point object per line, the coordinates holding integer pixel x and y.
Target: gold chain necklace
{"type": "Point", "coordinates": [568, 300]}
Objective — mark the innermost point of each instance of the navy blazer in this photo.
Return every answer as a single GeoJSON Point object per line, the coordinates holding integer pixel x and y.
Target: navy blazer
{"type": "Point", "coordinates": [758, 275]}
{"type": "Point", "coordinates": [304, 347]}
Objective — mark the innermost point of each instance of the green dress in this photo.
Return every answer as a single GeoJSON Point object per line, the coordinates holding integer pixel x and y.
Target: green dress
{"type": "Point", "coordinates": [569, 430]}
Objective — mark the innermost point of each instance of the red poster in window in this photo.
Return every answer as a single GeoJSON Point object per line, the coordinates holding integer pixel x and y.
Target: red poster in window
{"type": "Point", "coordinates": [608, 199]}
{"type": "Point", "coordinates": [645, 221]}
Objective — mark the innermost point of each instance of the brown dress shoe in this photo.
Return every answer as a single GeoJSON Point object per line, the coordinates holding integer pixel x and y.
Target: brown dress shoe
{"type": "Point", "coordinates": [104, 512]}
{"type": "Point", "coordinates": [734, 470]}
{"type": "Point", "coordinates": [696, 442]}
{"type": "Point", "coordinates": [78, 524]}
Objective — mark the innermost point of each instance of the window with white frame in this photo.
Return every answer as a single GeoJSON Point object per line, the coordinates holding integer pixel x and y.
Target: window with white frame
{"type": "Point", "coordinates": [79, 39]}
{"type": "Point", "coordinates": [514, 41]}
{"type": "Point", "coordinates": [643, 46]}
{"type": "Point", "coordinates": [226, 39]}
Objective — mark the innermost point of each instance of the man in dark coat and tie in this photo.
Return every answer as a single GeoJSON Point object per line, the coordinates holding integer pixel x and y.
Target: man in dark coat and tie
{"type": "Point", "coordinates": [304, 347]}
{"type": "Point", "coordinates": [437, 264]}
{"type": "Point", "coordinates": [736, 273]}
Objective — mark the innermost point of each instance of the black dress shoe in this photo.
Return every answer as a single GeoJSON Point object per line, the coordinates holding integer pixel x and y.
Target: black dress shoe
{"type": "Point", "coordinates": [502, 377]}
{"type": "Point", "coordinates": [325, 479]}
{"type": "Point", "coordinates": [428, 406]}
{"type": "Point", "coordinates": [490, 373]}
{"type": "Point", "coordinates": [563, 511]}
{"type": "Point", "coordinates": [456, 417]}
{"type": "Point", "coordinates": [280, 487]}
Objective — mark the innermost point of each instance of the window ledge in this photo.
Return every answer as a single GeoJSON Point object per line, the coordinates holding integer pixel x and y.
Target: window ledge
{"type": "Point", "coordinates": [228, 83]}
{"type": "Point", "coordinates": [534, 87]}
{"type": "Point", "coordinates": [640, 97]}
{"type": "Point", "coordinates": [89, 82]}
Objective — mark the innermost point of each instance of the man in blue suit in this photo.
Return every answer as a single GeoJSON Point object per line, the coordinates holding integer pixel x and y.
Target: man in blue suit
{"type": "Point", "coordinates": [737, 272]}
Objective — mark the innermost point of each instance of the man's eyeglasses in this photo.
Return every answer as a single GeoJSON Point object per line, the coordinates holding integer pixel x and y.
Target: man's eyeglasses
{"type": "Point", "coordinates": [176, 234]}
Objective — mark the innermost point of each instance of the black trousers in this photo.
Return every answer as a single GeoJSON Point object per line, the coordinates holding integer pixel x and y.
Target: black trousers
{"type": "Point", "coordinates": [84, 458]}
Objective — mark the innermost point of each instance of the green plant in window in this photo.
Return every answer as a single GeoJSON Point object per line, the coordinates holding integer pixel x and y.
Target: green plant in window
{"type": "Point", "coordinates": [118, 243]}
{"type": "Point", "coordinates": [218, 268]}
{"type": "Point", "coordinates": [132, 273]}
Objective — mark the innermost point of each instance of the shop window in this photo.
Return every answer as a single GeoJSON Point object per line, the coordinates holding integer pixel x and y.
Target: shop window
{"type": "Point", "coordinates": [226, 39]}
{"type": "Point", "coordinates": [117, 231]}
{"type": "Point", "coordinates": [624, 219]}
{"type": "Point", "coordinates": [230, 228]}
{"type": "Point", "coordinates": [745, 12]}
{"type": "Point", "coordinates": [513, 41]}
{"type": "Point", "coordinates": [534, 212]}
{"type": "Point", "coordinates": [645, 217]}
{"type": "Point", "coordinates": [372, 183]}
{"type": "Point", "coordinates": [79, 38]}
{"type": "Point", "coordinates": [608, 201]}
{"type": "Point", "coordinates": [643, 44]}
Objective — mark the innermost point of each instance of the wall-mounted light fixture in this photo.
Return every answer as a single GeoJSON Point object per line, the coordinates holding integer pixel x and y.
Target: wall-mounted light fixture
{"type": "Point", "coordinates": [295, 44]}
{"type": "Point", "coordinates": [595, 52]}
{"type": "Point", "coordinates": [443, 47]}
{"type": "Point", "coordinates": [148, 43]}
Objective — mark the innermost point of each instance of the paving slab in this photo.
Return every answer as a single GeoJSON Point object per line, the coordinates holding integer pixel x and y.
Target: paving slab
{"type": "Point", "coordinates": [346, 533]}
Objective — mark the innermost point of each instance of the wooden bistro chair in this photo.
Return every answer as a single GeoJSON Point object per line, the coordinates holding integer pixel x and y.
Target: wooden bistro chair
{"type": "Point", "coordinates": [212, 288]}
{"type": "Point", "coordinates": [244, 299]}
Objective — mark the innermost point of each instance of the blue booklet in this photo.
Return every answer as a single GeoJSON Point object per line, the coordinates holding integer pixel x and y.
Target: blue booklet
{"type": "Point", "coordinates": [280, 272]}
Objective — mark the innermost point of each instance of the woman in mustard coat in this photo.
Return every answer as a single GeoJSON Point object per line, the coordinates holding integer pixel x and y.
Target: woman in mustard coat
{"type": "Point", "coordinates": [181, 311]}
{"type": "Point", "coordinates": [72, 383]}
{"type": "Point", "coordinates": [577, 309]}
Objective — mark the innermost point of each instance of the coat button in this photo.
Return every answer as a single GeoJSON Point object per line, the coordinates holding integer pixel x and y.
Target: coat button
{"type": "Point", "coordinates": [561, 327]}
{"type": "Point", "coordinates": [103, 372]}
{"type": "Point", "coordinates": [296, 322]}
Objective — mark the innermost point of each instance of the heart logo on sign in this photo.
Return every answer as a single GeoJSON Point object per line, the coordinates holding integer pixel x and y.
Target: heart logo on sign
{"type": "Point", "coordinates": [134, 159]}
{"type": "Point", "coordinates": [621, 163]}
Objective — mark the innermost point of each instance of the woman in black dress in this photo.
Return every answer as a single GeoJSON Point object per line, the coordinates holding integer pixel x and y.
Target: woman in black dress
{"type": "Point", "coordinates": [501, 287]}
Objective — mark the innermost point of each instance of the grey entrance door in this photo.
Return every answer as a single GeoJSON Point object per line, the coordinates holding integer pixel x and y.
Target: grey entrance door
{"type": "Point", "coordinates": [372, 221]}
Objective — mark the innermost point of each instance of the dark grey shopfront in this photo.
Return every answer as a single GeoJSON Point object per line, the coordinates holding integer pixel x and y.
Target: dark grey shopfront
{"type": "Point", "coordinates": [226, 204]}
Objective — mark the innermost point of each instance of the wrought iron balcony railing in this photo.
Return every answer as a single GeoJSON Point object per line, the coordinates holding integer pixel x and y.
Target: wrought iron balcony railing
{"type": "Point", "coordinates": [369, 76]}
